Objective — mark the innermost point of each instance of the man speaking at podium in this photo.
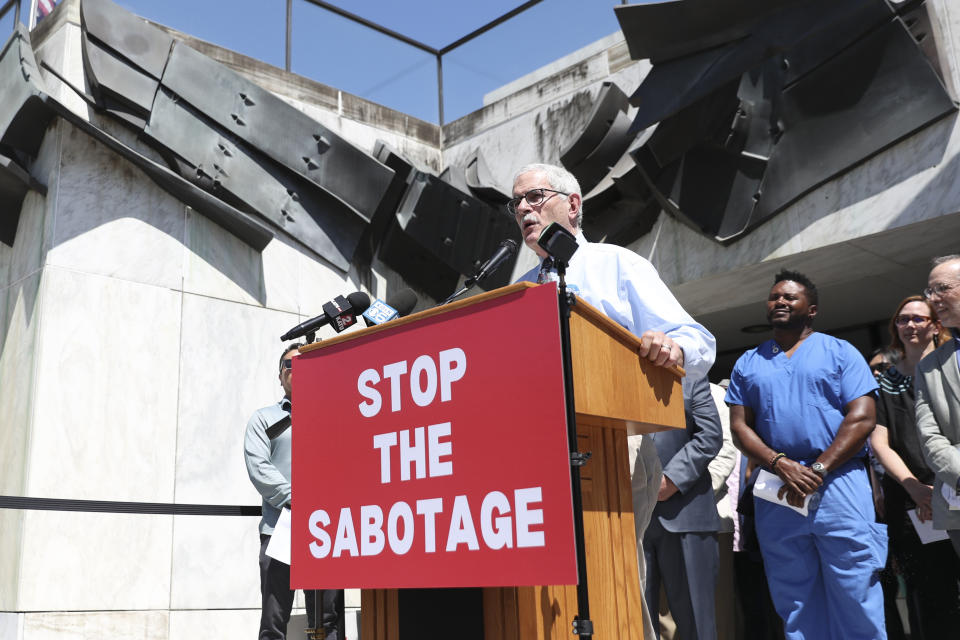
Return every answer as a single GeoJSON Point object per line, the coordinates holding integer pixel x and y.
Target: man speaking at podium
{"type": "Point", "coordinates": [628, 290]}
{"type": "Point", "coordinates": [267, 453]}
{"type": "Point", "coordinates": [618, 282]}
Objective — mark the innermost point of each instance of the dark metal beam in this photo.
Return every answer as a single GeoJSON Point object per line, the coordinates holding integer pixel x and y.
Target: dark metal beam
{"type": "Point", "coordinates": [7, 5]}
{"type": "Point", "coordinates": [440, 91]}
{"type": "Point", "coordinates": [373, 25]}
{"type": "Point", "coordinates": [286, 42]}
{"type": "Point", "coordinates": [490, 25]}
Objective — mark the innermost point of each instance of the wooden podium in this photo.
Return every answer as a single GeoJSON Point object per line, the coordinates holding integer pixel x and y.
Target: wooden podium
{"type": "Point", "coordinates": [616, 395]}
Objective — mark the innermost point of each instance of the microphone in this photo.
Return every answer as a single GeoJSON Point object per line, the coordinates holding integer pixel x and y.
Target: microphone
{"type": "Point", "coordinates": [339, 313]}
{"type": "Point", "coordinates": [397, 305]}
{"type": "Point", "coordinates": [506, 249]}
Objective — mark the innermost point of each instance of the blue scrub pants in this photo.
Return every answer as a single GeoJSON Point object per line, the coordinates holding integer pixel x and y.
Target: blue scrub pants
{"type": "Point", "coordinates": [823, 568]}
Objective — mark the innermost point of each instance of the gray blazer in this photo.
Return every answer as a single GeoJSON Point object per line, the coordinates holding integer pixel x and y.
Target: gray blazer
{"type": "Point", "coordinates": [685, 455]}
{"type": "Point", "coordinates": [938, 421]}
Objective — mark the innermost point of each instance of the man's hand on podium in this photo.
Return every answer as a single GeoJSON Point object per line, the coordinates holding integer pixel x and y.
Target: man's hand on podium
{"type": "Point", "coordinates": [660, 349]}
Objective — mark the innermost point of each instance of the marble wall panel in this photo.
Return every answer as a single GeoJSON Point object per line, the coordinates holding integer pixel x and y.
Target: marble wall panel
{"type": "Point", "coordinates": [106, 390]}
{"type": "Point", "coordinates": [11, 522]}
{"type": "Point", "coordinates": [75, 561]}
{"type": "Point", "coordinates": [96, 625]}
{"type": "Point", "coordinates": [112, 220]}
{"type": "Point", "coordinates": [11, 626]}
{"type": "Point", "coordinates": [228, 369]}
{"type": "Point", "coordinates": [215, 563]}
{"type": "Point", "coordinates": [235, 623]}
{"type": "Point", "coordinates": [220, 265]}
{"type": "Point", "coordinates": [19, 319]}
{"type": "Point", "coordinates": [29, 246]}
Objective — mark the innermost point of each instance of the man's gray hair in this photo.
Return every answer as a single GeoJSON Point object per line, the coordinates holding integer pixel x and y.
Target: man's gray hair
{"type": "Point", "coordinates": [558, 178]}
{"type": "Point", "coordinates": [939, 260]}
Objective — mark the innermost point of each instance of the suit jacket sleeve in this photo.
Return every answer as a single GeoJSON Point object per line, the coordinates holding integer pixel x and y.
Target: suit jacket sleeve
{"type": "Point", "coordinates": [690, 462]}
{"type": "Point", "coordinates": [940, 454]}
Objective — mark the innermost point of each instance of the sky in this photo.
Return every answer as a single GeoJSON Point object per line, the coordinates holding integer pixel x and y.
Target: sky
{"type": "Point", "coordinates": [345, 55]}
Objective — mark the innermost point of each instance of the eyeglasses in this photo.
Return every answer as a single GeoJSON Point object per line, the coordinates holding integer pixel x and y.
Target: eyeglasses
{"type": "Point", "coordinates": [940, 288]}
{"type": "Point", "coordinates": [287, 364]}
{"type": "Point", "coordinates": [534, 198]}
{"type": "Point", "coordinates": [881, 367]}
{"type": "Point", "coordinates": [904, 320]}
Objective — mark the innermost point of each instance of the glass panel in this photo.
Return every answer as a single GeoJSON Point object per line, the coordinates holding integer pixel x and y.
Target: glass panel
{"type": "Point", "coordinates": [354, 58]}
{"type": "Point", "coordinates": [535, 38]}
{"type": "Point", "coordinates": [255, 28]}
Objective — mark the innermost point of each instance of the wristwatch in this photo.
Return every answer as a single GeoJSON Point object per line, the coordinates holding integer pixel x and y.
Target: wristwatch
{"type": "Point", "coordinates": [819, 468]}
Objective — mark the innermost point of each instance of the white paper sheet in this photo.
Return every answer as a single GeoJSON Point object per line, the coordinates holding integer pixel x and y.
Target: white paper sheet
{"type": "Point", "coordinates": [950, 495]}
{"type": "Point", "coordinates": [279, 546]}
{"type": "Point", "coordinates": [767, 486]}
{"type": "Point", "coordinates": [925, 530]}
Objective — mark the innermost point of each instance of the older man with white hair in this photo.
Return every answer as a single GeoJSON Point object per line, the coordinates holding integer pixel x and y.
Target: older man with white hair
{"type": "Point", "coordinates": [628, 289]}
{"type": "Point", "coordinates": [937, 383]}
{"type": "Point", "coordinates": [620, 283]}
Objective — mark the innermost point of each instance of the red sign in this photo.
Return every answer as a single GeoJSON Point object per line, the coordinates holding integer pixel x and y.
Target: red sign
{"type": "Point", "coordinates": [435, 454]}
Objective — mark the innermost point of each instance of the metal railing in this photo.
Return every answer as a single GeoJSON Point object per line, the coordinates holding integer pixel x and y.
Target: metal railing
{"type": "Point", "coordinates": [29, 9]}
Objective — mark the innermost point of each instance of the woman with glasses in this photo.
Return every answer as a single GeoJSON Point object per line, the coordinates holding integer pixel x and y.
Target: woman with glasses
{"type": "Point", "coordinates": [929, 570]}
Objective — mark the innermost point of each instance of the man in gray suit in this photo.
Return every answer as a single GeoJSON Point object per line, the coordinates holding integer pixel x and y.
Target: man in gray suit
{"type": "Point", "coordinates": [938, 396]}
{"type": "Point", "coordinates": [680, 545]}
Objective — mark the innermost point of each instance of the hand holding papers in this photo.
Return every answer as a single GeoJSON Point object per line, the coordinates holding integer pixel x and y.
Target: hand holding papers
{"type": "Point", "coordinates": [768, 486]}
{"type": "Point", "coordinates": [279, 546]}
{"type": "Point", "coordinates": [925, 530]}
{"type": "Point", "coordinates": [950, 495]}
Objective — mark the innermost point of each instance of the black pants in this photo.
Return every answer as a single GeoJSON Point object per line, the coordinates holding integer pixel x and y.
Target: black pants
{"type": "Point", "coordinates": [277, 601]}
{"type": "Point", "coordinates": [760, 618]}
{"type": "Point", "coordinates": [930, 571]}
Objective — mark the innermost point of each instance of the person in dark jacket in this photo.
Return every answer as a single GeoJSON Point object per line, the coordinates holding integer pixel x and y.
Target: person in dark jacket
{"type": "Point", "coordinates": [680, 544]}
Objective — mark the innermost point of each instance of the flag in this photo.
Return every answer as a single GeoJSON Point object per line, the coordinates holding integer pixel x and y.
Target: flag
{"type": "Point", "coordinates": [44, 7]}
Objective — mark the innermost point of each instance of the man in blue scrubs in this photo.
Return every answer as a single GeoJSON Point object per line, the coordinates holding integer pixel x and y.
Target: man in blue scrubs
{"type": "Point", "coordinates": [802, 406]}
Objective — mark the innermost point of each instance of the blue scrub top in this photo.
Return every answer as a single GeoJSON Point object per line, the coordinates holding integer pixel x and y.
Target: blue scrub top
{"type": "Point", "coordinates": [799, 402]}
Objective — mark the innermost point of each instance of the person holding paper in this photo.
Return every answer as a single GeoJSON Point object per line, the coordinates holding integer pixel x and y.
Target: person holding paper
{"type": "Point", "coordinates": [802, 406]}
{"type": "Point", "coordinates": [930, 571]}
{"type": "Point", "coordinates": [628, 290]}
{"type": "Point", "coordinates": [938, 398]}
{"type": "Point", "coordinates": [267, 454]}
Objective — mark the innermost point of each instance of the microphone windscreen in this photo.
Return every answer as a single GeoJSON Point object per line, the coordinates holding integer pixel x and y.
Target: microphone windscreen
{"type": "Point", "coordinates": [359, 301]}
{"type": "Point", "coordinates": [403, 301]}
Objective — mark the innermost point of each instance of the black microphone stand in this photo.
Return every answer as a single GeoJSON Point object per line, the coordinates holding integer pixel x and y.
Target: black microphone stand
{"type": "Point", "coordinates": [456, 294]}
{"type": "Point", "coordinates": [582, 625]}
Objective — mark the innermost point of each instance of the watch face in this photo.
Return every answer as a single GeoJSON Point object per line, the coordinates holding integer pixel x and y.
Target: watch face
{"type": "Point", "coordinates": [819, 468]}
